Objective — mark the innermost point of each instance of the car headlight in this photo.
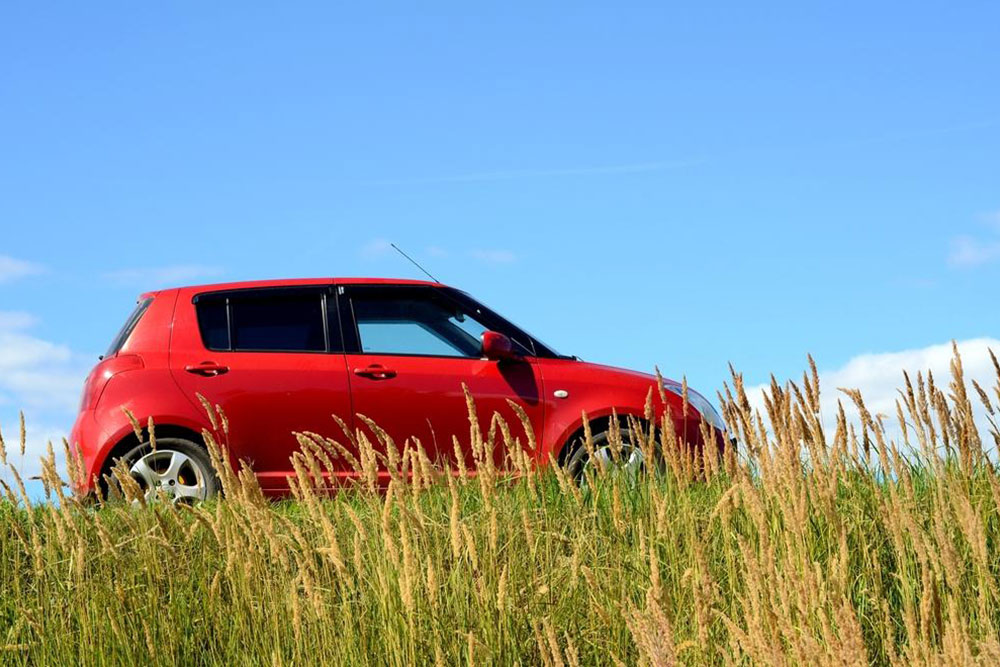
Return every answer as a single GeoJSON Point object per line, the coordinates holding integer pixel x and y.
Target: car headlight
{"type": "Point", "coordinates": [698, 402]}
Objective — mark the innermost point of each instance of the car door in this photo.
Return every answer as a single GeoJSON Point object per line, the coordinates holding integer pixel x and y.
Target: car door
{"type": "Point", "coordinates": [273, 361]}
{"type": "Point", "coordinates": [410, 349]}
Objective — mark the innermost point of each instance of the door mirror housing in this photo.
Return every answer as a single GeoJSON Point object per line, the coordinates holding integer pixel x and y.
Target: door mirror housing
{"type": "Point", "coordinates": [497, 346]}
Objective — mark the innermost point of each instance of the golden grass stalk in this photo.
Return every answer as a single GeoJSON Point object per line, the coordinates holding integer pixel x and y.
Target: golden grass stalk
{"type": "Point", "coordinates": [858, 539]}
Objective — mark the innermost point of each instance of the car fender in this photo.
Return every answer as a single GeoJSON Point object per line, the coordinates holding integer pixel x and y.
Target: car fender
{"type": "Point", "coordinates": [146, 394]}
{"type": "Point", "coordinates": [575, 389]}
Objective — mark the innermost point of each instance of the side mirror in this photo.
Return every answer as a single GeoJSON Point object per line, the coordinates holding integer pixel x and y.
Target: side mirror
{"type": "Point", "coordinates": [497, 347]}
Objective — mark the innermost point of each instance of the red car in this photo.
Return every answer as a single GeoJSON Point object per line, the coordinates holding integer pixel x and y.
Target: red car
{"type": "Point", "coordinates": [284, 355]}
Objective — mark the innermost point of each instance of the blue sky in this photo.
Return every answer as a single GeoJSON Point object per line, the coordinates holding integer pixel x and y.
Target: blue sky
{"type": "Point", "coordinates": [637, 184]}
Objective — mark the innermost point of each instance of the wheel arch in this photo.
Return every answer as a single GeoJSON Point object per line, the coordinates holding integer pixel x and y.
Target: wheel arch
{"type": "Point", "coordinates": [598, 423]}
{"type": "Point", "coordinates": [129, 440]}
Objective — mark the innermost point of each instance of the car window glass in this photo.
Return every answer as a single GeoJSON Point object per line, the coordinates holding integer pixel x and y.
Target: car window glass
{"type": "Point", "coordinates": [214, 324]}
{"type": "Point", "coordinates": [470, 326]}
{"type": "Point", "coordinates": [494, 322]}
{"type": "Point", "coordinates": [403, 338]}
{"type": "Point", "coordinates": [287, 322]}
{"type": "Point", "coordinates": [414, 323]}
{"type": "Point", "coordinates": [128, 327]}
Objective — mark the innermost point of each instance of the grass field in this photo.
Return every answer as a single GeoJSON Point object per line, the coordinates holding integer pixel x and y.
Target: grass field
{"type": "Point", "coordinates": [809, 546]}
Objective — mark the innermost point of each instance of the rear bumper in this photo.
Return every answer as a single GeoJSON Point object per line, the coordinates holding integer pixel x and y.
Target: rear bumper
{"type": "Point", "coordinates": [85, 438]}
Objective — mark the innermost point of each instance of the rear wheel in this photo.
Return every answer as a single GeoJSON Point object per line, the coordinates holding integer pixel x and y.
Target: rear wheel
{"type": "Point", "coordinates": [178, 470]}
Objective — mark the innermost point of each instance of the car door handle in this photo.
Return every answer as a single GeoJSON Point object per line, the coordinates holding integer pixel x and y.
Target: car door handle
{"type": "Point", "coordinates": [207, 368]}
{"type": "Point", "coordinates": [376, 372]}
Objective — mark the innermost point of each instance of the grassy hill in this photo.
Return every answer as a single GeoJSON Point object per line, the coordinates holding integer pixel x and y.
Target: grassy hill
{"type": "Point", "coordinates": [806, 546]}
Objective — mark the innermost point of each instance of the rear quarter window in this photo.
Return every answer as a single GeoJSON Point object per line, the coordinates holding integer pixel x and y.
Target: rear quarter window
{"type": "Point", "coordinates": [119, 341]}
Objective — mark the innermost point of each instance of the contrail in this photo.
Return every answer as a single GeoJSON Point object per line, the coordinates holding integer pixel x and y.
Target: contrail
{"type": "Point", "coordinates": [669, 165]}
{"type": "Point", "coordinates": [633, 168]}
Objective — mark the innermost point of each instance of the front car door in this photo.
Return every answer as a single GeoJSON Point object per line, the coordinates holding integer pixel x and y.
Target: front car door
{"type": "Point", "coordinates": [272, 359]}
{"type": "Point", "coordinates": [410, 349]}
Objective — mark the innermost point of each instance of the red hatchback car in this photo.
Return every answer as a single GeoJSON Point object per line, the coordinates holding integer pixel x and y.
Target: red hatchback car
{"type": "Point", "coordinates": [283, 356]}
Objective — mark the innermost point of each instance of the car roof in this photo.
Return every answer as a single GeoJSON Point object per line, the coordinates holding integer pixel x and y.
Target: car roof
{"type": "Point", "coordinates": [295, 282]}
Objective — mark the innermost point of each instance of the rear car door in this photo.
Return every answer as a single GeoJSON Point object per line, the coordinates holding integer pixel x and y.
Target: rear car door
{"type": "Point", "coordinates": [272, 358]}
{"type": "Point", "coordinates": [409, 351]}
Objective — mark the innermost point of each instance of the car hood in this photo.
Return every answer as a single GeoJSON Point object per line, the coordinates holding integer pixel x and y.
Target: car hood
{"type": "Point", "coordinates": [623, 374]}
{"type": "Point", "coordinates": [643, 381]}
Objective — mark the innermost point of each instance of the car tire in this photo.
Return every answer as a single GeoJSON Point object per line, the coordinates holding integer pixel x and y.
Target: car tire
{"type": "Point", "coordinates": [629, 460]}
{"type": "Point", "coordinates": [177, 470]}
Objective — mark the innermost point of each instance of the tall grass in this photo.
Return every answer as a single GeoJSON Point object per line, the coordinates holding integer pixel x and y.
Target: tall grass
{"type": "Point", "coordinates": [809, 546]}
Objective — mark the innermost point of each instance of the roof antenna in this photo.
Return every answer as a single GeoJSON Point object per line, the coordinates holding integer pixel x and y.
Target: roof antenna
{"type": "Point", "coordinates": [414, 262]}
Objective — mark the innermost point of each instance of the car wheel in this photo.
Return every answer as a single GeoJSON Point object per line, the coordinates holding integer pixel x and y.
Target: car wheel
{"type": "Point", "coordinates": [627, 461]}
{"type": "Point", "coordinates": [177, 470]}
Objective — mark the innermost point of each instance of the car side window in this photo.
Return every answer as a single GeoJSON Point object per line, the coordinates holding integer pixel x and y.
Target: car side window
{"type": "Point", "coordinates": [213, 320]}
{"type": "Point", "coordinates": [264, 321]}
{"type": "Point", "coordinates": [288, 323]}
{"type": "Point", "coordinates": [414, 322]}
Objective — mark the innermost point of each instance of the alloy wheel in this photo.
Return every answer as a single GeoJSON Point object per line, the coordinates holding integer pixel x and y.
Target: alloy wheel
{"type": "Point", "coordinates": [172, 475]}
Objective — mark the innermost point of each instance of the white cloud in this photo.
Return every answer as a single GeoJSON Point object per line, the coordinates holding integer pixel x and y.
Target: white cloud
{"type": "Point", "coordinates": [971, 251]}
{"type": "Point", "coordinates": [916, 283]}
{"type": "Point", "coordinates": [46, 387]}
{"type": "Point", "coordinates": [494, 256]}
{"type": "Point", "coordinates": [12, 269]}
{"type": "Point", "coordinates": [993, 219]}
{"type": "Point", "coordinates": [512, 174]}
{"type": "Point", "coordinates": [967, 252]}
{"type": "Point", "coordinates": [380, 247]}
{"type": "Point", "coordinates": [879, 377]}
{"type": "Point", "coordinates": [436, 251]}
{"type": "Point", "coordinates": [38, 436]}
{"type": "Point", "coordinates": [152, 277]}
{"type": "Point", "coordinates": [375, 248]}
{"type": "Point", "coordinates": [40, 377]}
{"type": "Point", "coordinates": [14, 319]}
{"type": "Point", "coordinates": [38, 373]}
{"type": "Point", "coordinates": [18, 351]}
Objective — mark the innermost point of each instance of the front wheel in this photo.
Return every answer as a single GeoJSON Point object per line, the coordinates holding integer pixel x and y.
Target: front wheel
{"type": "Point", "coordinates": [178, 470]}
{"type": "Point", "coordinates": [624, 459]}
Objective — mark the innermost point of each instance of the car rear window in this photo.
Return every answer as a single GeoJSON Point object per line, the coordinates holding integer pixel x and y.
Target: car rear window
{"type": "Point", "coordinates": [263, 321]}
{"type": "Point", "coordinates": [140, 309]}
